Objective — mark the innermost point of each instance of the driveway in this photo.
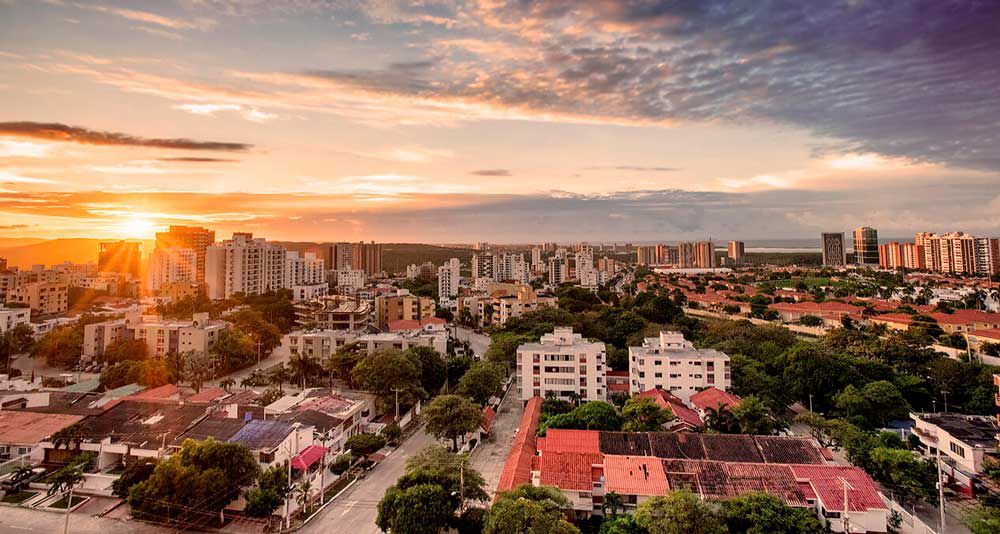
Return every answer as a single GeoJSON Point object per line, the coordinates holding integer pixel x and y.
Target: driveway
{"type": "Point", "coordinates": [491, 454]}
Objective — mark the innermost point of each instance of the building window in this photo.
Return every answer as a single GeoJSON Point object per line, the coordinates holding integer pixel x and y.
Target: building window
{"type": "Point", "coordinates": [957, 449]}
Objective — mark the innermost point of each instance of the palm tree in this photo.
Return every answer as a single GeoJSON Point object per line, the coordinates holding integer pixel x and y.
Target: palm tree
{"type": "Point", "coordinates": [612, 503]}
{"type": "Point", "coordinates": [20, 474]}
{"type": "Point", "coordinates": [300, 367]}
{"type": "Point", "coordinates": [278, 378]}
{"type": "Point", "coordinates": [63, 482]}
{"type": "Point", "coordinates": [721, 419]}
{"type": "Point", "coordinates": [227, 383]}
{"type": "Point", "coordinates": [71, 436]}
{"type": "Point", "coordinates": [304, 492]}
{"type": "Point", "coordinates": [196, 369]}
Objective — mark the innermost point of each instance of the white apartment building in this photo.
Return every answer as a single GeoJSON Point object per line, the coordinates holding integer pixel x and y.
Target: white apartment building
{"type": "Point", "coordinates": [449, 278]}
{"type": "Point", "coordinates": [672, 363]}
{"type": "Point", "coordinates": [963, 441]}
{"type": "Point", "coordinates": [244, 265]}
{"type": "Point", "coordinates": [167, 266]}
{"type": "Point", "coordinates": [558, 270]}
{"type": "Point", "coordinates": [304, 270]}
{"type": "Point", "coordinates": [484, 265]}
{"type": "Point", "coordinates": [425, 270]}
{"type": "Point", "coordinates": [564, 363]}
{"type": "Point", "coordinates": [310, 292]}
{"type": "Point", "coordinates": [162, 336]}
{"type": "Point", "coordinates": [321, 344]}
{"type": "Point", "coordinates": [536, 259]}
{"type": "Point", "coordinates": [511, 268]}
{"type": "Point", "coordinates": [352, 278]}
{"type": "Point", "coordinates": [11, 317]}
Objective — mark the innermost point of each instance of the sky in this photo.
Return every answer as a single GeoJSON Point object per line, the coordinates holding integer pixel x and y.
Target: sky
{"type": "Point", "coordinates": [499, 120]}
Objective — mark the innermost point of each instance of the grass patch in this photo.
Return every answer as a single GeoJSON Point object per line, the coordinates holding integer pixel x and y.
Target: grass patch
{"type": "Point", "coordinates": [19, 497]}
{"type": "Point", "coordinates": [61, 503]}
{"type": "Point", "coordinates": [341, 484]}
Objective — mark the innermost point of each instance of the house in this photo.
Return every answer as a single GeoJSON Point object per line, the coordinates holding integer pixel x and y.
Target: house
{"type": "Point", "coordinates": [684, 418]}
{"type": "Point", "coordinates": [713, 398]}
{"type": "Point", "coordinates": [831, 312]}
{"type": "Point", "coordinates": [977, 339]}
{"type": "Point", "coordinates": [963, 442]}
{"type": "Point", "coordinates": [24, 433]}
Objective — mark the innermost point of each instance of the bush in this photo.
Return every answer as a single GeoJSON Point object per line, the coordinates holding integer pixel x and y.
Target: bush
{"type": "Point", "coordinates": [364, 444]}
{"type": "Point", "coordinates": [342, 463]}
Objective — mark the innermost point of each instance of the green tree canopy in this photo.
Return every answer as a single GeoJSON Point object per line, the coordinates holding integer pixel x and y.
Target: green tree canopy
{"type": "Point", "coordinates": [383, 372]}
{"type": "Point", "coordinates": [452, 416]}
{"type": "Point", "coordinates": [642, 414]}
{"type": "Point", "coordinates": [483, 381]}
{"type": "Point", "coordinates": [760, 513]}
{"type": "Point", "coordinates": [679, 512]}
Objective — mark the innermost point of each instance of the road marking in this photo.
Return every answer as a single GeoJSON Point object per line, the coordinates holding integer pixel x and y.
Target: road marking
{"type": "Point", "coordinates": [347, 509]}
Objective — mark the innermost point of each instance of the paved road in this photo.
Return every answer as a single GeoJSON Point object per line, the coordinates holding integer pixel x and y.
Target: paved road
{"type": "Point", "coordinates": [355, 510]}
{"type": "Point", "coordinates": [490, 456]}
{"type": "Point", "coordinates": [23, 520]}
{"type": "Point", "coordinates": [479, 342]}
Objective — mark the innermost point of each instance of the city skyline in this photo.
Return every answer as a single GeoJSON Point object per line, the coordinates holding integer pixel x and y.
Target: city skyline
{"type": "Point", "coordinates": [466, 121]}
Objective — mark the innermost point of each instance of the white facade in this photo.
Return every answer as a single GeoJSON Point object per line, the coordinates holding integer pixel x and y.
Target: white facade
{"type": "Point", "coordinates": [244, 265]}
{"type": "Point", "coordinates": [353, 278]}
{"type": "Point", "coordinates": [672, 363]}
{"type": "Point", "coordinates": [309, 292]}
{"type": "Point", "coordinates": [322, 344]}
{"type": "Point", "coordinates": [305, 270]}
{"type": "Point", "coordinates": [564, 363]}
{"type": "Point", "coordinates": [511, 267]}
{"type": "Point", "coordinates": [11, 317]}
{"type": "Point", "coordinates": [449, 277]}
{"type": "Point", "coordinates": [161, 336]}
{"type": "Point", "coordinates": [170, 265]}
{"type": "Point", "coordinates": [484, 266]}
{"type": "Point", "coordinates": [536, 259]}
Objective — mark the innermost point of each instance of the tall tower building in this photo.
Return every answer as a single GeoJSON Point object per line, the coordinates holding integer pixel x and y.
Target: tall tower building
{"type": "Point", "coordinates": [122, 257]}
{"type": "Point", "coordinates": [367, 257]}
{"type": "Point", "coordinates": [865, 246]}
{"type": "Point", "coordinates": [736, 251]}
{"type": "Point", "coordinates": [195, 238]}
{"type": "Point", "coordinates": [834, 254]}
{"type": "Point", "coordinates": [449, 276]}
{"type": "Point", "coordinates": [244, 265]}
{"type": "Point", "coordinates": [338, 256]}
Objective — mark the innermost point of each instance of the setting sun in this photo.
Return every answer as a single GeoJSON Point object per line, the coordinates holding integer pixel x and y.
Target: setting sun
{"type": "Point", "coordinates": [136, 228]}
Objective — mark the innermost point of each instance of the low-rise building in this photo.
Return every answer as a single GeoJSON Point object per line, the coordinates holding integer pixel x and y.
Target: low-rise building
{"type": "Point", "coordinates": [963, 442]}
{"type": "Point", "coordinates": [563, 363]}
{"type": "Point", "coordinates": [24, 433]}
{"type": "Point", "coordinates": [402, 306]}
{"type": "Point", "coordinates": [11, 317]}
{"type": "Point", "coordinates": [162, 336]}
{"type": "Point", "coordinates": [334, 312]}
{"type": "Point", "coordinates": [323, 343]}
{"type": "Point", "coordinates": [44, 298]}
{"type": "Point", "coordinates": [670, 362]}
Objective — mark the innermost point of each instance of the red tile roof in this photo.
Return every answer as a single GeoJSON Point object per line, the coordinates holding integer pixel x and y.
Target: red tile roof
{"type": "Point", "coordinates": [712, 397]}
{"type": "Point", "coordinates": [635, 475]}
{"type": "Point", "coordinates": [162, 392]}
{"type": "Point", "coordinates": [309, 456]}
{"type": "Point", "coordinates": [29, 428]}
{"type": "Point", "coordinates": [517, 467]}
{"type": "Point", "coordinates": [816, 307]}
{"type": "Point", "coordinates": [568, 470]}
{"type": "Point", "coordinates": [564, 440]}
{"type": "Point", "coordinates": [666, 399]}
{"type": "Point", "coordinates": [413, 324]}
{"type": "Point", "coordinates": [207, 395]}
{"type": "Point", "coordinates": [989, 333]}
{"type": "Point", "coordinates": [488, 416]}
{"type": "Point", "coordinates": [827, 482]}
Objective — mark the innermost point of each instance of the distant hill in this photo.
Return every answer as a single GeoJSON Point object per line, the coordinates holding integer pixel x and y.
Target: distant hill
{"type": "Point", "coordinates": [396, 256]}
{"type": "Point", "coordinates": [76, 250]}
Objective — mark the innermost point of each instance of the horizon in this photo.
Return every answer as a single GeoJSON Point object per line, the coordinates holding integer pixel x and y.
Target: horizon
{"type": "Point", "coordinates": [453, 121]}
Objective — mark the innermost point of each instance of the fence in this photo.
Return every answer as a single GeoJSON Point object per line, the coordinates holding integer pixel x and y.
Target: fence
{"type": "Point", "coordinates": [911, 523]}
{"type": "Point", "coordinates": [10, 465]}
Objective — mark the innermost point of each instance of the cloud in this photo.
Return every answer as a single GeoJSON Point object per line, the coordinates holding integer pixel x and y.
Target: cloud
{"type": "Point", "coordinates": [22, 149]}
{"type": "Point", "coordinates": [210, 110]}
{"type": "Point", "coordinates": [74, 134]}
{"type": "Point", "coordinates": [636, 168]}
{"type": "Point", "coordinates": [146, 17]}
{"type": "Point", "coordinates": [197, 160]}
{"type": "Point", "coordinates": [13, 226]}
{"type": "Point", "coordinates": [491, 172]}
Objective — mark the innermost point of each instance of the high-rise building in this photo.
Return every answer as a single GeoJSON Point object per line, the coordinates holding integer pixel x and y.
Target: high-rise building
{"type": "Point", "coordinates": [645, 255]}
{"type": "Point", "coordinates": [558, 270]}
{"type": "Point", "coordinates": [511, 267]}
{"type": "Point", "coordinates": [913, 256]}
{"type": "Point", "coordinates": [987, 253]}
{"type": "Point", "coordinates": [244, 265]}
{"type": "Point", "coordinates": [194, 238]}
{"type": "Point", "coordinates": [484, 265]}
{"type": "Point", "coordinates": [122, 257]}
{"type": "Point", "coordinates": [705, 255]}
{"type": "Point", "coordinates": [736, 251]}
{"type": "Point", "coordinates": [3, 264]}
{"type": "Point", "coordinates": [367, 257]}
{"type": "Point", "coordinates": [865, 246]}
{"type": "Point", "coordinates": [449, 277]}
{"type": "Point", "coordinates": [536, 259]}
{"type": "Point", "coordinates": [304, 270]}
{"type": "Point", "coordinates": [563, 363]}
{"type": "Point", "coordinates": [171, 265]}
{"type": "Point", "coordinates": [891, 255]}
{"type": "Point", "coordinates": [338, 256]}
{"type": "Point", "coordinates": [834, 253]}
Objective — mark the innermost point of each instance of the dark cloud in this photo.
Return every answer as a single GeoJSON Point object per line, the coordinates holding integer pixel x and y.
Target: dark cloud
{"type": "Point", "coordinates": [13, 226]}
{"type": "Point", "coordinates": [74, 134]}
{"type": "Point", "coordinates": [198, 160]}
{"type": "Point", "coordinates": [491, 172]}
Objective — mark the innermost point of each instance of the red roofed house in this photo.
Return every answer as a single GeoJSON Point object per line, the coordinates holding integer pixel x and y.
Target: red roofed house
{"type": "Point", "coordinates": [978, 338]}
{"type": "Point", "coordinates": [791, 312]}
{"type": "Point", "coordinates": [711, 398]}
{"type": "Point", "coordinates": [517, 467]}
{"type": "Point", "coordinates": [21, 433]}
{"type": "Point", "coordinates": [684, 418]}
{"type": "Point", "coordinates": [866, 511]}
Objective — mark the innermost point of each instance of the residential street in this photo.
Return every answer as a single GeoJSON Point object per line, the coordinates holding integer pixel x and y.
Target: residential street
{"type": "Point", "coordinates": [479, 342]}
{"type": "Point", "coordinates": [14, 520]}
{"type": "Point", "coordinates": [355, 510]}
{"type": "Point", "coordinates": [490, 456]}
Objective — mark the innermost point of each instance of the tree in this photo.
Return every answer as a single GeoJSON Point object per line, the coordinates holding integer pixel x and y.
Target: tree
{"type": "Point", "coordinates": [483, 381]}
{"type": "Point", "coordinates": [451, 416]}
{"type": "Point", "coordinates": [612, 503]}
{"type": "Point", "coordinates": [448, 469]}
{"type": "Point", "coordinates": [885, 402]}
{"type": "Point", "coordinates": [754, 417]}
{"type": "Point", "coordinates": [234, 350]}
{"type": "Point", "coordinates": [195, 484]}
{"type": "Point", "coordinates": [622, 524]}
{"type": "Point", "coordinates": [382, 373]}
{"type": "Point", "coordinates": [125, 349]}
{"type": "Point", "coordinates": [364, 444]}
{"type": "Point", "coordinates": [910, 477]}
{"type": "Point", "coordinates": [71, 436]}
{"type": "Point", "coordinates": [594, 415]}
{"type": "Point", "coordinates": [227, 383]}
{"type": "Point", "coordinates": [721, 419]}
{"type": "Point", "coordinates": [529, 510]}
{"type": "Point", "coordinates": [63, 481]}
{"type": "Point", "coordinates": [197, 369]}
{"type": "Point", "coordinates": [642, 414]}
{"type": "Point", "coordinates": [278, 376]}
{"type": "Point", "coordinates": [851, 401]}
{"type": "Point", "coordinates": [392, 433]}
{"type": "Point", "coordinates": [271, 491]}
{"type": "Point", "coordinates": [432, 367]}
{"type": "Point", "coordinates": [420, 509]}
{"type": "Point", "coordinates": [341, 363]}
{"type": "Point", "coordinates": [341, 463]}
{"type": "Point", "coordinates": [301, 367]}
{"type": "Point", "coordinates": [135, 472]}
{"type": "Point", "coordinates": [810, 320]}
{"type": "Point", "coordinates": [679, 512]}
{"type": "Point", "coordinates": [304, 495]}
{"type": "Point", "coordinates": [760, 513]}
{"type": "Point", "coordinates": [60, 347]}
{"type": "Point", "coordinates": [253, 324]}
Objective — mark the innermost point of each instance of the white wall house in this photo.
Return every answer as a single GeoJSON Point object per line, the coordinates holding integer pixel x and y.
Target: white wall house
{"type": "Point", "coordinates": [564, 363]}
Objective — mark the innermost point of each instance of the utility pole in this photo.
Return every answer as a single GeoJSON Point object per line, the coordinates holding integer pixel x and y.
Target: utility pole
{"type": "Point", "coordinates": [69, 505]}
{"type": "Point", "coordinates": [940, 487]}
{"type": "Point", "coordinates": [461, 486]}
{"type": "Point", "coordinates": [397, 390]}
{"type": "Point", "coordinates": [288, 498]}
{"type": "Point", "coordinates": [847, 519]}
{"type": "Point", "coordinates": [322, 473]}
{"type": "Point", "coordinates": [811, 402]}
{"type": "Point", "coordinates": [258, 353]}
{"type": "Point", "coordinates": [945, 393]}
